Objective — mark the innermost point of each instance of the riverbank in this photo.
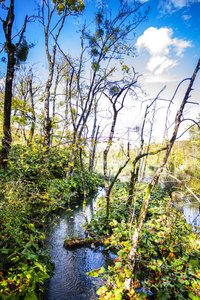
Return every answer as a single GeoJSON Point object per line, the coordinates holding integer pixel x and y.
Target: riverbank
{"type": "Point", "coordinates": [168, 253]}
{"type": "Point", "coordinates": [31, 190]}
{"type": "Point", "coordinates": [70, 280]}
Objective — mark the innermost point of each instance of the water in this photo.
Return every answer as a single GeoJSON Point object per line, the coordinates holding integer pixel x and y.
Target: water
{"type": "Point", "coordinates": [70, 281]}
{"type": "Point", "coordinates": [191, 210]}
{"type": "Point", "coordinates": [192, 213]}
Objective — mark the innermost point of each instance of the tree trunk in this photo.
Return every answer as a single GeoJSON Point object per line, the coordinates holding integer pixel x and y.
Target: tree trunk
{"type": "Point", "coordinates": [47, 120]}
{"type": "Point", "coordinates": [7, 139]}
{"type": "Point", "coordinates": [11, 51]}
{"type": "Point", "coordinates": [33, 118]}
{"type": "Point", "coordinates": [149, 141]}
{"type": "Point", "coordinates": [105, 160]}
{"type": "Point", "coordinates": [84, 186]}
{"type": "Point", "coordinates": [154, 181]}
{"type": "Point", "coordinates": [133, 181]}
{"type": "Point", "coordinates": [54, 101]}
{"type": "Point", "coordinates": [51, 63]}
{"type": "Point", "coordinates": [10, 48]}
{"type": "Point", "coordinates": [93, 141]}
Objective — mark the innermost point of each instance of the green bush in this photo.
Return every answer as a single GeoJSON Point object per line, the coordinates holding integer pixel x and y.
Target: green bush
{"type": "Point", "coordinates": [31, 188]}
{"type": "Point", "coordinates": [168, 252]}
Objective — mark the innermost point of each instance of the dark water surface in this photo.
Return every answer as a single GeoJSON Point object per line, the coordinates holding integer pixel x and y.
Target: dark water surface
{"type": "Point", "coordinates": [70, 281]}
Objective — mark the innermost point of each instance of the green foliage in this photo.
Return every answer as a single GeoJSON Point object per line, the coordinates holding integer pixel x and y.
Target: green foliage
{"type": "Point", "coordinates": [100, 225]}
{"type": "Point", "coordinates": [168, 252]}
{"type": "Point", "coordinates": [95, 66]}
{"type": "Point", "coordinates": [72, 6]}
{"type": "Point", "coordinates": [23, 266]}
{"type": "Point", "coordinates": [31, 188]}
{"type": "Point", "coordinates": [195, 133]}
{"type": "Point", "coordinates": [191, 176]}
{"type": "Point", "coordinates": [22, 51]}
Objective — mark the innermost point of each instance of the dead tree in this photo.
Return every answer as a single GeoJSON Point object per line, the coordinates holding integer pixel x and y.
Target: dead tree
{"type": "Point", "coordinates": [117, 97]}
{"type": "Point", "coordinates": [155, 178]}
{"type": "Point", "coordinates": [106, 45]}
{"type": "Point", "coordinates": [137, 160]}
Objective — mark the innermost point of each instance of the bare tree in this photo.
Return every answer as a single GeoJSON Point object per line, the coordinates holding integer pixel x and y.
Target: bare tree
{"type": "Point", "coordinates": [136, 163]}
{"type": "Point", "coordinates": [52, 29]}
{"type": "Point", "coordinates": [117, 97]}
{"type": "Point", "coordinates": [107, 46]}
{"type": "Point", "coordinates": [154, 181]}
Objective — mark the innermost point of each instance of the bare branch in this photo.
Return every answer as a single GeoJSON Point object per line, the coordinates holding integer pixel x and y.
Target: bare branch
{"type": "Point", "coordinates": [180, 181]}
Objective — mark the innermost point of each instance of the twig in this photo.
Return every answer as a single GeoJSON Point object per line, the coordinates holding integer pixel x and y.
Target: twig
{"type": "Point", "coordinates": [180, 181]}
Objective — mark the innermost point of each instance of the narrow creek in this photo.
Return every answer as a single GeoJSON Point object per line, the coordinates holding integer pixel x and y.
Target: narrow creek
{"type": "Point", "coordinates": [191, 211]}
{"type": "Point", "coordinates": [70, 281]}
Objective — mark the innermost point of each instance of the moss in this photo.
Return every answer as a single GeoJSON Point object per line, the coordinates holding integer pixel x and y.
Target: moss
{"type": "Point", "coordinates": [75, 243]}
{"type": "Point", "coordinates": [145, 204]}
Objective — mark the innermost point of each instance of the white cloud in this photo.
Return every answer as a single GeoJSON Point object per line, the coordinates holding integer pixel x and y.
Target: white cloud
{"type": "Point", "coordinates": [174, 5]}
{"type": "Point", "coordinates": [179, 3]}
{"type": "Point", "coordinates": [161, 46]}
{"type": "Point", "coordinates": [159, 64]}
{"type": "Point", "coordinates": [186, 17]}
{"type": "Point", "coordinates": [156, 41]}
{"type": "Point", "coordinates": [180, 46]}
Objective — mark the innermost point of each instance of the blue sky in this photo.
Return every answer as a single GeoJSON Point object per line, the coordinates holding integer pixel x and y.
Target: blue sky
{"type": "Point", "coordinates": [170, 39]}
{"type": "Point", "coordinates": [167, 45]}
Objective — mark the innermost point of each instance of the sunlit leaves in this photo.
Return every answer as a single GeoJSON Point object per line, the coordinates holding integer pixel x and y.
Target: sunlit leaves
{"type": "Point", "coordinates": [70, 6]}
{"type": "Point", "coordinates": [167, 259]}
{"type": "Point", "coordinates": [95, 66]}
{"type": "Point", "coordinates": [125, 68]}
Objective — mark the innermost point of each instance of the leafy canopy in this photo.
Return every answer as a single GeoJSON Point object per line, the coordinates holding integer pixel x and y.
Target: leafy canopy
{"type": "Point", "coordinates": [72, 6]}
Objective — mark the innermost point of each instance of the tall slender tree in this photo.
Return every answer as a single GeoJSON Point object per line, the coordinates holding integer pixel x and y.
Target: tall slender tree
{"type": "Point", "coordinates": [52, 29]}
{"type": "Point", "coordinates": [16, 52]}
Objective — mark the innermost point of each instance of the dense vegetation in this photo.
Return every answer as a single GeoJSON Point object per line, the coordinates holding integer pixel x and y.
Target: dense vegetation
{"type": "Point", "coordinates": [56, 139]}
{"type": "Point", "coordinates": [35, 185]}
{"type": "Point", "coordinates": [168, 258]}
{"type": "Point", "coordinates": [32, 188]}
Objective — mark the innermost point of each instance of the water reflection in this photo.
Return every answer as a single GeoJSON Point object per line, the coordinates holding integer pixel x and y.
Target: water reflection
{"type": "Point", "coordinates": [70, 281]}
{"type": "Point", "coordinates": [190, 209]}
{"type": "Point", "coordinates": [192, 214]}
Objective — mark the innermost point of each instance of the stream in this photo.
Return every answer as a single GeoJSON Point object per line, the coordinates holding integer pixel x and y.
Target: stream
{"type": "Point", "coordinates": [70, 281]}
{"type": "Point", "coordinates": [191, 211]}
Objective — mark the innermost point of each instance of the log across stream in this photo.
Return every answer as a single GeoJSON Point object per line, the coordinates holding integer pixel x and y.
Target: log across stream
{"type": "Point", "coordinates": [70, 281]}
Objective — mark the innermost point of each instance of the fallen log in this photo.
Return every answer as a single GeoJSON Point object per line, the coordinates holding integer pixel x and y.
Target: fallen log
{"type": "Point", "coordinates": [74, 243]}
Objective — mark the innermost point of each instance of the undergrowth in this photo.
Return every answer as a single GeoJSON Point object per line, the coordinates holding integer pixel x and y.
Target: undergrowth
{"type": "Point", "coordinates": [33, 186]}
{"type": "Point", "coordinates": [168, 253]}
